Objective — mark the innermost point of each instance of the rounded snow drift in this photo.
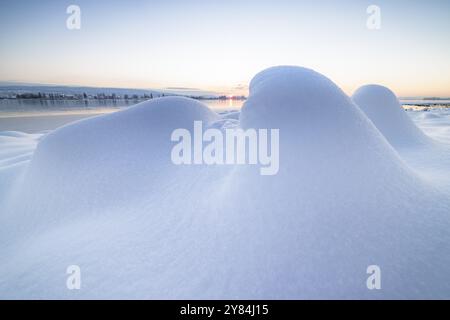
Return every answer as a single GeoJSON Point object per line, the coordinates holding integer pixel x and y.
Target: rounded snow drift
{"type": "Point", "coordinates": [320, 129]}
{"type": "Point", "coordinates": [382, 107]}
{"type": "Point", "coordinates": [97, 158]}
{"type": "Point", "coordinates": [103, 193]}
{"type": "Point", "coordinates": [309, 109]}
{"type": "Point", "coordinates": [296, 98]}
{"type": "Point", "coordinates": [429, 115]}
{"type": "Point", "coordinates": [113, 136]}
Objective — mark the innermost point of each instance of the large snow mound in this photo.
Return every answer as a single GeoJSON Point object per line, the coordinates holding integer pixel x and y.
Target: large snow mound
{"type": "Point", "coordinates": [103, 194]}
{"type": "Point", "coordinates": [383, 108]}
{"type": "Point", "coordinates": [321, 129]}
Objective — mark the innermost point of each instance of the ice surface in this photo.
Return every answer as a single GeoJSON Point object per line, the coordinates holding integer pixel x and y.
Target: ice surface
{"type": "Point", "coordinates": [103, 194]}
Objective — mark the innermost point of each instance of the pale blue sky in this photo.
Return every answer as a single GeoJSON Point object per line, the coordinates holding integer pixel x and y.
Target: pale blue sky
{"type": "Point", "coordinates": [220, 45]}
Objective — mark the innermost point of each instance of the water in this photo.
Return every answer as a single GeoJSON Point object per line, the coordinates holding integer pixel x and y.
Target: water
{"type": "Point", "coordinates": [426, 102]}
{"type": "Point", "coordinates": [21, 107]}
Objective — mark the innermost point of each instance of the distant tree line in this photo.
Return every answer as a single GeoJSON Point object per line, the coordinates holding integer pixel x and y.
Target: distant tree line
{"type": "Point", "coordinates": [104, 96]}
{"type": "Point", "coordinates": [82, 96]}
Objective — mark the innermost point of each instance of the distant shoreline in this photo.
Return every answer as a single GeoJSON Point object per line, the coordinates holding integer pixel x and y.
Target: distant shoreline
{"type": "Point", "coordinates": [423, 102]}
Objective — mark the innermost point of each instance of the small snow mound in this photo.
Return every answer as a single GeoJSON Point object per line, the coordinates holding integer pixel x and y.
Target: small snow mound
{"type": "Point", "coordinates": [429, 115]}
{"type": "Point", "coordinates": [382, 107]}
{"type": "Point", "coordinates": [231, 115]}
{"type": "Point", "coordinates": [110, 137]}
{"type": "Point", "coordinates": [95, 159]}
{"type": "Point", "coordinates": [16, 134]}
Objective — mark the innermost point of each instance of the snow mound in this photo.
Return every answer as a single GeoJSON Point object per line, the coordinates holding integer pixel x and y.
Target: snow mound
{"type": "Point", "coordinates": [383, 108]}
{"type": "Point", "coordinates": [107, 160]}
{"type": "Point", "coordinates": [103, 194]}
{"type": "Point", "coordinates": [342, 192]}
{"type": "Point", "coordinates": [429, 115]}
{"type": "Point", "coordinates": [419, 148]}
{"type": "Point", "coordinates": [318, 123]}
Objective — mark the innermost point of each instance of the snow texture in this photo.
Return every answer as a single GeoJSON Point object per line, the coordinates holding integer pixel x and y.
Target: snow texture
{"type": "Point", "coordinates": [383, 108]}
{"type": "Point", "coordinates": [430, 157]}
{"type": "Point", "coordinates": [102, 193]}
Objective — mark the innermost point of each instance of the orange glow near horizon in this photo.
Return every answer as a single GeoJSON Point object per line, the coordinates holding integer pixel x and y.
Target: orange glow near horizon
{"type": "Point", "coordinates": [184, 45]}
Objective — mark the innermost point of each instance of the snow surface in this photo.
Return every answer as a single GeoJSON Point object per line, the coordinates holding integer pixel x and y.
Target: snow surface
{"type": "Point", "coordinates": [429, 156]}
{"type": "Point", "coordinates": [382, 107]}
{"type": "Point", "coordinates": [354, 189]}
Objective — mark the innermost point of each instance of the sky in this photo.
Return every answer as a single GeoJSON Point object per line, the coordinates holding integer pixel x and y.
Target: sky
{"type": "Point", "coordinates": [220, 45]}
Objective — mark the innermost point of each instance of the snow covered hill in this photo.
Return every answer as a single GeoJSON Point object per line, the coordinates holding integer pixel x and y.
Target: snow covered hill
{"type": "Point", "coordinates": [353, 189]}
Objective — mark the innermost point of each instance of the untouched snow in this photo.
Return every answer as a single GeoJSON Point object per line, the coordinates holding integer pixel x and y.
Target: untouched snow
{"type": "Point", "coordinates": [356, 187]}
{"type": "Point", "coordinates": [431, 157]}
{"type": "Point", "coordinates": [383, 108]}
{"type": "Point", "coordinates": [15, 152]}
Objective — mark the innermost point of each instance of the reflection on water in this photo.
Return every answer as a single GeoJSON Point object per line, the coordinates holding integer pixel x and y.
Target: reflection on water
{"type": "Point", "coordinates": [224, 105]}
{"type": "Point", "coordinates": [32, 106]}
